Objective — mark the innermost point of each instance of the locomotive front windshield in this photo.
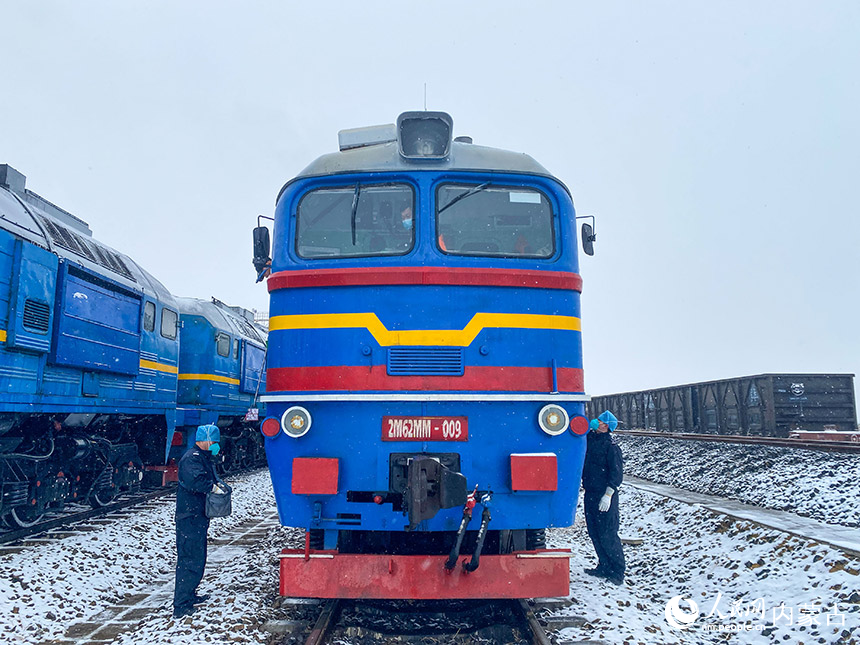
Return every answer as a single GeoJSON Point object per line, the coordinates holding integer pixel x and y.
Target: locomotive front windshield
{"type": "Point", "coordinates": [494, 221]}
{"type": "Point", "coordinates": [356, 221]}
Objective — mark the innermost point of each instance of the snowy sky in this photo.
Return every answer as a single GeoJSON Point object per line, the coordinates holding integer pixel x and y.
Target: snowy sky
{"type": "Point", "coordinates": [716, 143]}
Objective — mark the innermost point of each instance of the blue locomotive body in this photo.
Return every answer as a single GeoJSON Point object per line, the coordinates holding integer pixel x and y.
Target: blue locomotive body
{"type": "Point", "coordinates": [89, 362]}
{"type": "Point", "coordinates": [425, 353]}
{"type": "Point", "coordinates": [221, 375]}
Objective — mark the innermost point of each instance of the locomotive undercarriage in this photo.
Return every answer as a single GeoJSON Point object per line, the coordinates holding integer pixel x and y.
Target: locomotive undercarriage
{"type": "Point", "coordinates": [241, 446]}
{"type": "Point", "coordinates": [432, 543]}
{"type": "Point", "coordinates": [50, 460]}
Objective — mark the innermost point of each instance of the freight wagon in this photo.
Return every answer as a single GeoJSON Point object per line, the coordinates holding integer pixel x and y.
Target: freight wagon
{"type": "Point", "coordinates": [763, 405]}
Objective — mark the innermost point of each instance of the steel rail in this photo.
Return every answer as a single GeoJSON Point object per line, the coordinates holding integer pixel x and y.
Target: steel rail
{"type": "Point", "coordinates": [325, 622]}
{"type": "Point", "coordinates": [537, 633]}
{"type": "Point", "coordinates": [783, 442]}
{"type": "Point", "coordinates": [69, 518]}
{"type": "Point", "coordinates": [7, 537]}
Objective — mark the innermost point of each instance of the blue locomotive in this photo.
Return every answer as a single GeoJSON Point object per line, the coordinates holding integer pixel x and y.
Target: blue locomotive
{"type": "Point", "coordinates": [424, 365]}
{"type": "Point", "coordinates": [93, 350]}
{"type": "Point", "coordinates": [220, 385]}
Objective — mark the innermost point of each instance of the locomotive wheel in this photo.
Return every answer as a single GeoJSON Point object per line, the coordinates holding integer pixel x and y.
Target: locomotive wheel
{"type": "Point", "coordinates": [247, 459]}
{"type": "Point", "coordinates": [228, 459]}
{"type": "Point", "coordinates": [102, 497]}
{"type": "Point", "coordinates": [24, 517]}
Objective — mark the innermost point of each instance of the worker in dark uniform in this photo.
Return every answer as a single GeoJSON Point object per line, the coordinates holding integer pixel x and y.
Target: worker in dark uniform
{"type": "Point", "coordinates": [196, 478]}
{"type": "Point", "coordinates": [602, 473]}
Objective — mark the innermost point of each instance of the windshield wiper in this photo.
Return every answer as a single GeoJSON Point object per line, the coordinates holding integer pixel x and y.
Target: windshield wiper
{"type": "Point", "coordinates": [468, 193]}
{"type": "Point", "coordinates": [354, 211]}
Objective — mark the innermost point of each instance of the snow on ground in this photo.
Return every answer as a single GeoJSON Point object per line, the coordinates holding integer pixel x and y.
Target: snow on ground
{"type": "Point", "coordinates": [244, 595]}
{"type": "Point", "coordinates": [686, 551]}
{"type": "Point", "coordinates": [49, 586]}
{"type": "Point", "coordinates": [807, 482]}
{"type": "Point", "coordinates": [690, 552]}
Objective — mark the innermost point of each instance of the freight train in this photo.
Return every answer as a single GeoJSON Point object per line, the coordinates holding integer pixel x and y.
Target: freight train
{"type": "Point", "coordinates": [102, 370]}
{"type": "Point", "coordinates": [424, 365]}
{"type": "Point", "coordinates": [773, 405]}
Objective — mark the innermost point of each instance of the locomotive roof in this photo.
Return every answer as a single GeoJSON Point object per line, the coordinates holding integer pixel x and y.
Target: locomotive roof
{"type": "Point", "coordinates": [223, 317]}
{"type": "Point", "coordinates": [386, 157]}
{"type": "Point", "coordinates": [31, 217]}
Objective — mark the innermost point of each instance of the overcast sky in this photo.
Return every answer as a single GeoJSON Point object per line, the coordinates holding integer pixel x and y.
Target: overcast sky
{"type": "Point", "coordinates": [717, 144]}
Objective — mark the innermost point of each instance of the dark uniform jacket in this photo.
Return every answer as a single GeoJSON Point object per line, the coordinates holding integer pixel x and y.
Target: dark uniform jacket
{"type": "Point", "coordinates": [603, 464]}
{"type": "Point", "coordinates": [196, 478]}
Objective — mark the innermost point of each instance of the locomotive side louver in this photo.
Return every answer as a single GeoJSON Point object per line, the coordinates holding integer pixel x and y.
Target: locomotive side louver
{"type": "Point", "coordinates": [425, 361]}
{"type": "Point", "coordinates": [37, 316]}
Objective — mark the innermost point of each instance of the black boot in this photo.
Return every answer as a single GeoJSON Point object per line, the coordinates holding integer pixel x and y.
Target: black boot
{"type": "Point", "coordinates": [181, 612]}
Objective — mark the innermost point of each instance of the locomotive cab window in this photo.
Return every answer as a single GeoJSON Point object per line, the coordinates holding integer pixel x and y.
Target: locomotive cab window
{"type": "Point", "coordinates": [149, 316]}
{"type": "Point", "coordinates": [169, 320]}
{"type": "Point", "coordinates": [236, 349]}
{"type": "Point", "coordinates": [356, 221]}
{"type": "Point", "coordinates": [222, 344]}
{"type": "Point", "coordinates": [494, 221]}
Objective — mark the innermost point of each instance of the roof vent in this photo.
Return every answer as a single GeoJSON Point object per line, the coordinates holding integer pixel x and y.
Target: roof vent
{"type": "Point", "coordinates": [11, 178]}
{"type": "Point", "coordinates": [373, 135]}
{"type": "Point", "coordinates": [463, 139]}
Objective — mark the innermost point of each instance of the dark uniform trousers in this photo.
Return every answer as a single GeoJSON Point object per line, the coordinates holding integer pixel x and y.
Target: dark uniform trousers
{"type": "Point", "coordinates": [196, 477]}
{"type": "Point", "coordinates": [190, 559]}
{"type": "Point", "coordinates": [603, 531]}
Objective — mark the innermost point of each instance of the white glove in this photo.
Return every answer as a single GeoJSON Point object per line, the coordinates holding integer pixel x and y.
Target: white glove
{"type": "Point", "coordinates": [606, 500]}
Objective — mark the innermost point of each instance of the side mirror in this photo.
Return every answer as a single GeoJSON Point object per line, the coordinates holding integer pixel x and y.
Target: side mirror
{"type": "Point", "coordinates": [588, 238]}
{"type": "Point", "coordinates": [262, 245]}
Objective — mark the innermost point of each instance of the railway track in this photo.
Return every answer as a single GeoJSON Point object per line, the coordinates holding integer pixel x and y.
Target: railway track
{"type": "Point", "coordinates": [804, 444]}
{"type": "Point", "coordinates": [449, 622]}
{"type": "Point", "coordinates": [67, 518]}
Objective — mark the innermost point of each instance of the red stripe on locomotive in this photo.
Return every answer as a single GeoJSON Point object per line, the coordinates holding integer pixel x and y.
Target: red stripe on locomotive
{"type": "Point", "coordinates": [360, 378]}
{"type": "Point", "coordinates": [459, 276]}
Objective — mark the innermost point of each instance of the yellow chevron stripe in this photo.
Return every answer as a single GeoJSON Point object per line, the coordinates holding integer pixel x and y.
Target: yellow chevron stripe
{"type": "Point", "coordinates": [2, 335]}
{"type": "Point", "coordinates": [209, 377]}
{"type": "Point", "coordinates": [159, 367]}
{"type": "Point", "coordinates": [450, 337]}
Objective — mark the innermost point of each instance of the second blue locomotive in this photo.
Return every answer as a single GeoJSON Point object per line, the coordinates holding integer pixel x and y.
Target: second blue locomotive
{"type": "Point", "coordinates": [102, 370]}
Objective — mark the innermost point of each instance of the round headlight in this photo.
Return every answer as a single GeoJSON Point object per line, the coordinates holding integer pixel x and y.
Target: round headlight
{"type": "Point", "coordinates": [553, 419]}
{"type": "Point", "coordinates": [296, 421]}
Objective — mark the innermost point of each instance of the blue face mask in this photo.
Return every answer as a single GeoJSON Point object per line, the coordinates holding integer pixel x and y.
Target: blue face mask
{"type": "Point", "coordinates": [407, 223]}
{"type": "Point", "coordinates": [215, 448]}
